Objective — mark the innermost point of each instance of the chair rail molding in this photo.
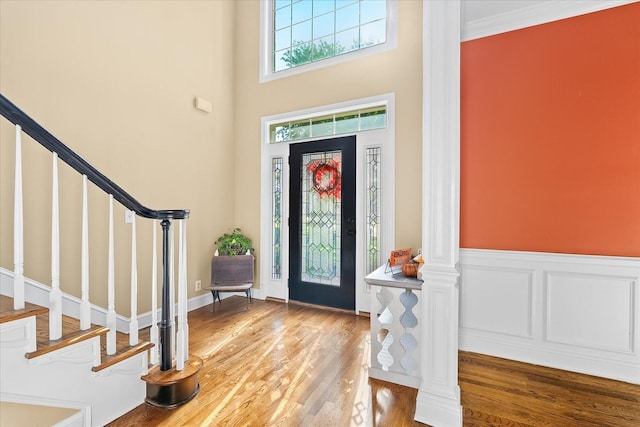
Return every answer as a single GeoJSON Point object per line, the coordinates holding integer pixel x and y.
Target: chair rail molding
{"type": "Point", "coordinates": [438, 401]}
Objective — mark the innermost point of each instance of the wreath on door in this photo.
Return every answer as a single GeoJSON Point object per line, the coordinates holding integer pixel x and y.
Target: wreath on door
{"type": "Point", "coordinates": [325, 177]}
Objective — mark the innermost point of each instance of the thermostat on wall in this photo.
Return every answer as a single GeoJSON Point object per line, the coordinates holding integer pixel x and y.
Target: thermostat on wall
{"type": "Point", "coordinates": [203, 104]}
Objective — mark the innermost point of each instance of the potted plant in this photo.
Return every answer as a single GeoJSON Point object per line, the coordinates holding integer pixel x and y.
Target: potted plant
{"type": "Point", "coordinates": [232, 265]}
{"type": "Point", "coordinates": [234, 243]}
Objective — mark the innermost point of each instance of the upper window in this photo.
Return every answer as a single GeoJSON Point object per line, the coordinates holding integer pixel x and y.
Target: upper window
{"type": "Point", "coordinates": [299, 33]}
{"type": "Point", "coordinates": [362, 119]}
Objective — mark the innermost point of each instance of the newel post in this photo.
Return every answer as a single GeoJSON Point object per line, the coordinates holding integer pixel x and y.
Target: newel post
{"type": "Point", "coordinates": [166, 322]}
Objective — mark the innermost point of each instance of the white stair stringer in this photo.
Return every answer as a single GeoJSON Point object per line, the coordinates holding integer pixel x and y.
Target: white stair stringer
{"type": "Point", "coordinates": [66, 374]}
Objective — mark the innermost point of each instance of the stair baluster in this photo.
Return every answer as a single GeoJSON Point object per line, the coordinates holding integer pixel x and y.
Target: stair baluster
{"type": "Point", "coordinates": [172, 287]}
{"type": "Point", "coordinates": [133, 323]}
{"type": "Point", "coordinates": [111, 287]}
{"type": "Point", "coordinates": [85, 306]}
{"type": "Point", "coordinates": [182, 335]}
{"type": "Point", "coordinates": [18, 229]}
{"type": "Point", "coordinates": [55, 296]}
{"type": "Point", "coordinates": [153, 353]}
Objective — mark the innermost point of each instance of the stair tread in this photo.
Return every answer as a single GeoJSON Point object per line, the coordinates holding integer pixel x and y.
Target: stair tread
{"type": "Point", "coordinates": [122, 354]}
{"type": "Point", "coordinates": [8, 314]}
{"type": "Point", "coordinates": [47, 346]}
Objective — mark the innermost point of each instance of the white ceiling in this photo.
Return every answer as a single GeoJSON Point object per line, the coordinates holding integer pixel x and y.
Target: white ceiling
{"type": "Point", "coordinates": [482, 18]}
{"type": "Point", "coordinates": [473, 10]}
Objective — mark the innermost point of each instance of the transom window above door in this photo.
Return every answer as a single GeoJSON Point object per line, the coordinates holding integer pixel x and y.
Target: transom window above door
{"type": "Point", "coordinates": [349, 121]}
{"type": "Point", "coordinates": [299, 35]}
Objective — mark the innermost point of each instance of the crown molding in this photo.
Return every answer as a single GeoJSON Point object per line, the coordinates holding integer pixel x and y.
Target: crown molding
{"type": "Point", "coordinates": [535, 14]}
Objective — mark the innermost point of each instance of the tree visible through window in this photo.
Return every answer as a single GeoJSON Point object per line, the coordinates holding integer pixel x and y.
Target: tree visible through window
{"type": "Point", "coordinates": [305, 31]}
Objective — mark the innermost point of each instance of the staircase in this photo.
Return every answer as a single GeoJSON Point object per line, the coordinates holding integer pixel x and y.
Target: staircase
{"type": "Point", "coordinates": [73, 371]}
{"type": "Point", "coordinates": [87, 358]}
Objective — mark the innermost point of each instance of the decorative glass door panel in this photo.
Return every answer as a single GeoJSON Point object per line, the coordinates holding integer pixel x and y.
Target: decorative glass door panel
{"type": "Point", "coordinates": [322, 222]}
{"type": "Point", "coordinates": [321, 217]}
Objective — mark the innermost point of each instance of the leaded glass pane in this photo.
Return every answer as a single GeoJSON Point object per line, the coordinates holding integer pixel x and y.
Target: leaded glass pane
{"type": "Point", "coordinates": [276, 217]}
{"type": "Point", "coordinates": [321, 217]}
{"type": "Point", "coordinates": [372, 208]}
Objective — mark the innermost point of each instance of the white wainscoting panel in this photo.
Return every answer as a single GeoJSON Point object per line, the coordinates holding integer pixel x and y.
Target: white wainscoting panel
{"type": "Point", "coordinates": [574, 312]}
{"type": "Point", "coordinates": [589, 310]}
{"type": "Point", "coordinates": [497, 300]}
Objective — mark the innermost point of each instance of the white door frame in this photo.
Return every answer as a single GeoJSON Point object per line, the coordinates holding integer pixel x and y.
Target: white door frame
{"type": "Point", "coordinates": [383, 138]}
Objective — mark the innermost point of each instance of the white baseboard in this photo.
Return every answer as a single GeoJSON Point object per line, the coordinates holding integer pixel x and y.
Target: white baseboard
{"type": "Point", "coordinates": [573, 312]}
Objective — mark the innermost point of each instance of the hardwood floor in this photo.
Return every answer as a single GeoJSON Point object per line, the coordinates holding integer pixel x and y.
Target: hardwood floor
{"type": "Point", "coordinates": [290, 365]}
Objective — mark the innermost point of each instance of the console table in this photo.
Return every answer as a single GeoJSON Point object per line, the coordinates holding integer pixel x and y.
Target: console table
{"type": "Point", "coordinates": [395, 327]}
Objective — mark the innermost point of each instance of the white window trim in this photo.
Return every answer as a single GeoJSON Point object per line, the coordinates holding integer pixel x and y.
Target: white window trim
{"type": "Point", "coordinates": [266, 41]}
{"type": "Point", "coordinates": [278, 288]}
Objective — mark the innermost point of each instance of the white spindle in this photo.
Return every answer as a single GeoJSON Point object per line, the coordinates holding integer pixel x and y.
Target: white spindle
{"type": "Point", "coordinates": [85, 307]}
{"type": "Point", "coordinates": [133, 323]}
{"type": "Point", "coordinates": [18, 229]}
{"type": "Point", "coordinates": [184, 292]}
{"type": "Point", "coordinates": [154, 297]}
{"type": "Point", "coordinates": [111, 289]}
{"type": "Point", "coordinates": [172, 289]}
{"type": "Point", "coordinates": [182, 335]}
{"type": "Point", "coordinates": [55, 296]}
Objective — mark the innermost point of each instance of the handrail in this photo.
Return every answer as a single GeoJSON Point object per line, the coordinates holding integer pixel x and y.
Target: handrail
{"type": "Point", "coordinates": [18, 117]}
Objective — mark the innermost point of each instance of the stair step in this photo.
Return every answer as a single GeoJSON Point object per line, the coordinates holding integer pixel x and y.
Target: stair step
{"type": "Point", "coordinates": [67, 340]}
{"type": "Point", "coordinates": [120, 355]}
{"type": "Point", "coordinates": [8, 314]}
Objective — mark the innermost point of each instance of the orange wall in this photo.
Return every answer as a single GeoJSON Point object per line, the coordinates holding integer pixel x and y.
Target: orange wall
{"type": "Point", "coordinates": [550, 137]}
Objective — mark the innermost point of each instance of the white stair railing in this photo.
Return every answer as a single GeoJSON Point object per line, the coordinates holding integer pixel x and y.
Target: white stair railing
{"type": "Point", "coordinates": [85, 306]}
{"type": "Point", "coordinates": [18, 229]}
{"type": "Point", "coordinates": [174, 341]}
{"type": "Point", "coordinates": [55, 296]}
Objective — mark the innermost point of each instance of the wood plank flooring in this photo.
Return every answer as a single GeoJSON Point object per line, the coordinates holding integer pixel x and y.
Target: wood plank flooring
{"type": "Point", "coordinates": [290, 365]}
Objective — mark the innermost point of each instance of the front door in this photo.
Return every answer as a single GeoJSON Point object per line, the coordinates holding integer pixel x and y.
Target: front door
{"type": "Point", "coordinates": [322, 222]}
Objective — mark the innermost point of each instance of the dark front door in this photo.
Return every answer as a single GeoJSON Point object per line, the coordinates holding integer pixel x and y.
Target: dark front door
{"type": "Point", "coordinates": [322, 222]}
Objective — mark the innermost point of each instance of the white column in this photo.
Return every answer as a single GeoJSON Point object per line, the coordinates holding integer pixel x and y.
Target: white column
{"type": "Point", "coordinates": [438, 401]}
{"type": "Point", "coordinates": [18, 229]}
